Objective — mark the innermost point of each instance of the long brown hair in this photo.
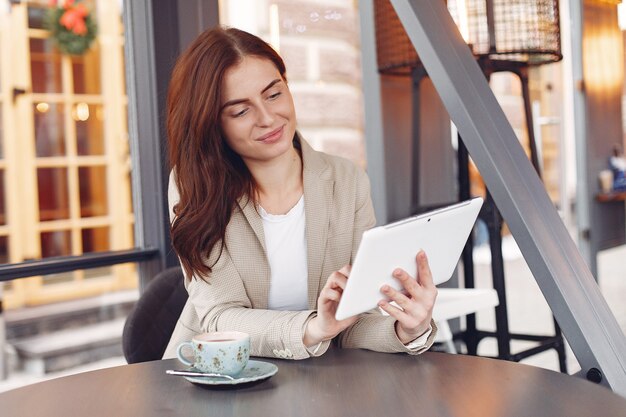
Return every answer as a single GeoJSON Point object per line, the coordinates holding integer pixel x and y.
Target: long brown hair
{"type": "Point", "coordinates": [210, 176]}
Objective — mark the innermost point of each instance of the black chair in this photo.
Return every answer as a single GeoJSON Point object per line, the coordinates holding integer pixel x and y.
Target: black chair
{"type": "Point", "coordinates": [151, 322]}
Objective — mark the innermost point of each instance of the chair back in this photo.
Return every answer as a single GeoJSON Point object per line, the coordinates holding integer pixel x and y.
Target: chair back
{"type": "Point", "coordinates": [151, 322]}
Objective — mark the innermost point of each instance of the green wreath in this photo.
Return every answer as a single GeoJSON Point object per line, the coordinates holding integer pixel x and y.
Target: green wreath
{"type": "Point", "coordinates": [71, 28]}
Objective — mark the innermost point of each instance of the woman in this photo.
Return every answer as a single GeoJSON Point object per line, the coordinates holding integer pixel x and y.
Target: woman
{"type": "Point", "coordinates": [264, 226]}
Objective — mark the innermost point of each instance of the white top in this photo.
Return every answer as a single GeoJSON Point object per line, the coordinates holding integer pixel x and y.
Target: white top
{"type": "Point", "coordinates": [285, 243]}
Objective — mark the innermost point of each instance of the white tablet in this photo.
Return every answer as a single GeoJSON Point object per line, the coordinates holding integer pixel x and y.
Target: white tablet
{"type": "Point", "coordinates": [442, 234]}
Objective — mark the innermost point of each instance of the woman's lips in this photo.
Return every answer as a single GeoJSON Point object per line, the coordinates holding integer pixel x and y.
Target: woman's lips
{"type": "Point", "coordinates": [273, 136]}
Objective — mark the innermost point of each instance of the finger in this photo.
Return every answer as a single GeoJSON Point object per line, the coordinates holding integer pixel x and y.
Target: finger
{"type": "Point", "coordinates": [394, 312]}
{"type": "Point", "coordinates": [409, 283]}
{"type": "Point", "coordinates": [424, 274]}
{"type": "Point", "coordinates": [395, 295]}
{"type": "Point", "coordinates": [337, 280]}
{"type": "Point", "coordinates": [408, 321]}
{"type": "Point", "coordinates": [329, 294]}
{"type": "Point", "coordinates": [345, 270]}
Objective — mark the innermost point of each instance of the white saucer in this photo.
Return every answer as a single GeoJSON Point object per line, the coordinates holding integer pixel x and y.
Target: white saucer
{"type": "Point", "coordinates": [254, 371]}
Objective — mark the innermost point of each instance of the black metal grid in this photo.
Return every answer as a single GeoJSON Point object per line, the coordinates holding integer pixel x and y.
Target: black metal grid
{"type": "Point", "coordinates": [523, 32]}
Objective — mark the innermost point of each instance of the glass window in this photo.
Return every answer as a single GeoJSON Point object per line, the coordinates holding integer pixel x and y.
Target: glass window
{"type": "Point", "coordinates": [89, 128]}
{"type": "Point", "coordinates": [95, 240]}
{"type": "Point", "coordinates": [86, 72]}
{"type": "Point", "coordinates": [36, 17]}
{"type": "Point", "coordinates": [98, 272]}
{"type": "Point", "coordinates": [93, 191]}
{"type": "Point", "coordinates": [45, 68]}
{"type": "Point", "coordinates": [57, 243]}
{"type": "Point", "coordinates": [49, 129]}
{"type": "Point", "coordinates": [2, 208]}
{"type": "Point", "coordinates": [1, 134]}
{"type": "Point", "coordinates": [63, 277]}
{"type": "Point", "coordinates": [63, 149]}
{"type": "Point", "coordinates": [53, 194]}
{"type": "Point", "coordinates": [4, 250]}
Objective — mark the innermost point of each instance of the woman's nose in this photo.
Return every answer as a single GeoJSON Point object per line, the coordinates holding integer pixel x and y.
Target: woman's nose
{"type": "Point", "coordinates": [265, 116]}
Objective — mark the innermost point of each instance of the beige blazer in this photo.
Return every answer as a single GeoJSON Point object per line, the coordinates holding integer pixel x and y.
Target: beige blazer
{"type": "Point", "coordinates": [338, 209]}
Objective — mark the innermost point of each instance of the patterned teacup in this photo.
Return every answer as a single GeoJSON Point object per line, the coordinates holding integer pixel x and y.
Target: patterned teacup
{"type": "Point", "coordinates": [225, 353]}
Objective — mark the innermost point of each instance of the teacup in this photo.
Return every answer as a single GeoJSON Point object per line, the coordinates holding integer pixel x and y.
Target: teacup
{"type": "Point", "coordinates": [225, 353]}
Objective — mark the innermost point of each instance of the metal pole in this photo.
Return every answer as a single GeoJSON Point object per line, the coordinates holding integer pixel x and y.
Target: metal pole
{"type": "Point", "coordinates": [561, 272]}
{"type": "Point", "coordinates": [374, 121]}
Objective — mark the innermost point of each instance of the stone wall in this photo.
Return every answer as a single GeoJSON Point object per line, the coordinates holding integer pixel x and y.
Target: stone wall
{"type": "Point", "coordinates": [320, 44]}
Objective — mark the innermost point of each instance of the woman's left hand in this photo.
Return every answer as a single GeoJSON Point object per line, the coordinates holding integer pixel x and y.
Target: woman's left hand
{"type": "Point", "coordinates": [416, 304]}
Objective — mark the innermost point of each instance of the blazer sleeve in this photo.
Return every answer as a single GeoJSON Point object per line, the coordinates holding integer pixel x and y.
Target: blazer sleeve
{"type": "Point", "coordinates": [373, 330]}
{"type": "Point", "coordinates": [221, 303]}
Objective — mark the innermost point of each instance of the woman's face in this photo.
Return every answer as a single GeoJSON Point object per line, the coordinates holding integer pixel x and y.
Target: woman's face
{"type": "Point", "coordinates": [257, 115]}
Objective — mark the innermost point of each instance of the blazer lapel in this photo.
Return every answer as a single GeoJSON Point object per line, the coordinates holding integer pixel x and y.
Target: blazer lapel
{"type": "Point", "coordinates": [258, 279]}
{"type": "Point", "coordinates": [253, 218]}
{"type": "Point", "coordinates": [318, 197]}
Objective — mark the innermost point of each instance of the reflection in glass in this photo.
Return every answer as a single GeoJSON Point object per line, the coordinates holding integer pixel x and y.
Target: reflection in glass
{"type": "Point", "coordinates": [86, 71]}
{"type": "Point", "coordinates": [49, 129]}
{"type": "Point", "coordinates": [93, 191]}
{"type": "Point", "coordinates": [96, 239]}
{"type": "Point", "coordinates": [89, 128]}
{"type": "Point", "coordinates": [57, 243]}
{"type": "Point", "coordinates": [3, 220]}
{"type": "Point", "coordinates": [4, 249]}
{"type": "Point", "coordinates": [45, 66]}
{"type": "Point", "coordinates": [53, 193]}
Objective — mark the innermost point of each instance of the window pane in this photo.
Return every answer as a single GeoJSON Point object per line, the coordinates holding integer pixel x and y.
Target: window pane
{"type": "Point", "coordinates": [86, 71]}
{"type": "Point", "coordinates": [57, 243]}
{"type": "Point", "coordinates": [64, 140]}
{"type": "Point", "coordinates": [45, 66]}
{"type": "Point", "coordinates": [89, 129]}
{"type": "Point", "coordinates": [93, 191]}
{"type": "Point", "coordinates": [36, 17]}
{"type": "Point", "coordinates": [96, 239]}
{"type": "Point", "coordinates": [58, 278]}
{"type": "Point", "coordinates": [101, 272]}
{"type": "Point", "coordinates": [4, 250]}
{"type": "Point", "coordinates": [49, 129]}
{"type": "Point", "coordinates": [53, 193]}
{"type": "Point", "coordinates": [1, 134]}
{"type": "Point", "coordinates": [2, 209]}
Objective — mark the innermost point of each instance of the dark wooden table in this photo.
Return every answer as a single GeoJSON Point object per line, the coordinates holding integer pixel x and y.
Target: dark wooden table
{"type": "Point", "coordinates": [340, 383]}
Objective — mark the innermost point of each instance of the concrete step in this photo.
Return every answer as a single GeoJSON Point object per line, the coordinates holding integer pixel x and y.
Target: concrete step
{"type": "Point", "coordinates": [63, 349]}
{"type": "Point", "coordinates": [32, 321]}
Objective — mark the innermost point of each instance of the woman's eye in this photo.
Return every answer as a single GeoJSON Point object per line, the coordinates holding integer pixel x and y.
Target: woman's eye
{"type": "Point", "coordinates": [274, 96]}
{"type": "Point", "coordinates": [241, 113]}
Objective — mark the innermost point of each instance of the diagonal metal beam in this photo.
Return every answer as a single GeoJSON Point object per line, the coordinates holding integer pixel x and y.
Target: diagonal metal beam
{"type": "Point", "coordinates": [564, 278]}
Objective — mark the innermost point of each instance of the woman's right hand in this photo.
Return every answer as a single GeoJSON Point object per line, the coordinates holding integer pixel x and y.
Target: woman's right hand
{"type": "Point", "coordinates": [324, 326]}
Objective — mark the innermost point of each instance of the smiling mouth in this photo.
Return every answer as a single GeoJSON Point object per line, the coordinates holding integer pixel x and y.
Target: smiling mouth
{"type": "Point", "coordinates": [273, 135]}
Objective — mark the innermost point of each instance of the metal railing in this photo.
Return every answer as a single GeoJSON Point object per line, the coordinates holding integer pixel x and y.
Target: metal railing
{"type": "Point", "coordinates": [59, 264]}
{"type": "Point", "coordinates": [53, 265]}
